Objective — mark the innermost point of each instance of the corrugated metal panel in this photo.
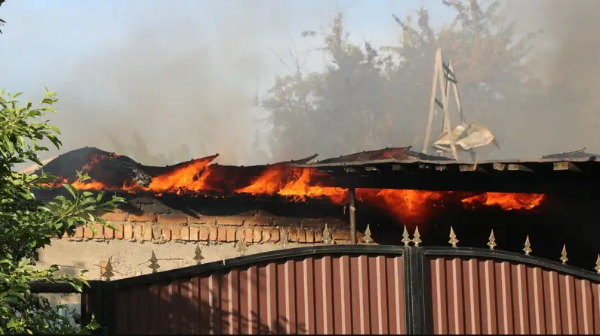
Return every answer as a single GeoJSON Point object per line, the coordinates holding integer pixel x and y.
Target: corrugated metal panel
{"type": "Point", "coordinates": [473, 296]}
{"type": "Point", "coordinates": [324, 295]}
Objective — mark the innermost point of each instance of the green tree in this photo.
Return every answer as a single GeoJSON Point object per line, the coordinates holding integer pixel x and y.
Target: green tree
{"type": "Point", "coordinates": [26, 223]}
{"type": "Point", "coordinates": [370, 97]}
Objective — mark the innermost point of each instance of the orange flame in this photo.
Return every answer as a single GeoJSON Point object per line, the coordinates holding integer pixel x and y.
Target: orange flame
{"type": "Point", "coordinates": [506, 201]}
{"type": "Point", "coordinates": [187, 177]}
{"type": "Point", "coordinates": [300, 184]}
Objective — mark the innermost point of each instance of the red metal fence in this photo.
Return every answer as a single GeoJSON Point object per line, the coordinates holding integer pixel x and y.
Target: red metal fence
{"type": "Point", "coordinates": [320, 294]}
{"type": "Point", "coordinates": [475, 296]}
{"type": "Point", "coordinates": [356, 290]}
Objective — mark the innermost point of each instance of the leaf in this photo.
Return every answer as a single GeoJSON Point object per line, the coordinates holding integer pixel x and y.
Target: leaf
{"type": "Point", "coordinates": [70, 189]}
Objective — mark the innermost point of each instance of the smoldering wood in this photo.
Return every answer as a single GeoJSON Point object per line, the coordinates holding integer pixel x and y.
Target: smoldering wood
{"type": "Point", "coordinates": [110, 169]}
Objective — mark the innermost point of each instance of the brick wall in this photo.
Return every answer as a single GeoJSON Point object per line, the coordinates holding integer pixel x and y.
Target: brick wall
{"type": "Point", "coordinates": [165, 224]}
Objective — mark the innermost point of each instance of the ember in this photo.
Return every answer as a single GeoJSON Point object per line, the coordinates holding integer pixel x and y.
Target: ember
{"type": "Point", "coordinates": [200, 177]}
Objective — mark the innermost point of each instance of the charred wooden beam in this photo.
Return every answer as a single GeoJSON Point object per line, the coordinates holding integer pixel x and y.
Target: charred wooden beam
{"type": "Point", "coordinates": [519, 167]}
{"type": "Point", "coordinates": [511, 167]}
{"type": "Point", "coordinates": [570, 166]}
{"type": "Point", "coordinates": [352, 193]}
{"type": "Point", "coordinates": [470, 168]}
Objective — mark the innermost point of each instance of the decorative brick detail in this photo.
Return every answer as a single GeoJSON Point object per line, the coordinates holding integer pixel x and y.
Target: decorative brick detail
{"type": "Point", "coordinates": [145, 217]}
{"type": "Point", "coordinates": [147, 236]}
{"type": "Point", "coordinates": [175, 232]}
{"type": "Point", "coordinates": [257, 235]}
{"type": "Point", "coordinates": [221, 234]}
{"type": "Point", "coordinates": [226, 220]}
{"type": "Point", "coordinates": [212, 234]}
{"type": "Point", "coordinates": [88, 232]}
{"type": "Point", "coordinates": [275, 234]}
{"type": "Point", "coordinates": [185, 233]}
{"type": "Point", "coordinates": [118, 230]}
{"type": "Point", "coordinates": [157, 233]}
{"type": "Point", "coordinates": [292, 233]}
{"type": "Point", "coordinates": [196, 220]}
{"type": "Point", "coordinates": [266, 235]}
{"type": "Point", "coordinates": [138, 233]}
{"type": "Point", "coordinates": [99, 230]}
{"type": "Point", "coordinates": [109, 233]}
{"type": "Point", "coordinates": [310, 236]}
{"type": "Point", "coordinates": [318, 236]}
{"type": "Point", "coordinates": [248, 235]}
{"type": "Point", "coordinates": [177, 226]}
{"type": "Point", "coordinates": [166, 234]}
{"type": "Point", "coordinates": [127, 231]}
{"type": "Point", "coordinates": [114, 216]}
{"type": "Point", "coordinates": [194, 231]}
{"type": "Point", "coordinates": [285, 222]}
{"type": "Point", "coordinates": [259, 221]}
{"type": "Point", "coordinates": [231, 235]}
{"type": "Point", "coordinates": [78, 232]}
{"type": "Point", "coordinates": [172, 219]}
{"type": "Point", "coordinates": [301, 236]}
{"type": "Point", "coordinates": [204, 234]}
{"type": "Point", "coordinates": [340, 235]}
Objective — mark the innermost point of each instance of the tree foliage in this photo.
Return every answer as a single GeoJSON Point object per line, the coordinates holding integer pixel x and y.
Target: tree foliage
{"type": "Point", "coordinates": [370, 97]}
{"type": "Point", "coordinates": [26, 223]}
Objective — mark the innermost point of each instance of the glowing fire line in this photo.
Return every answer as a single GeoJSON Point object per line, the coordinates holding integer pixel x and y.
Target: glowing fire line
{"type": "Point", "coordinates": [197, 176]}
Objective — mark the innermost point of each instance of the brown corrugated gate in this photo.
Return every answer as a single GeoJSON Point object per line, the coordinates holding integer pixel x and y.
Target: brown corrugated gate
{"type": "Point", "coordinates": [355, 290]}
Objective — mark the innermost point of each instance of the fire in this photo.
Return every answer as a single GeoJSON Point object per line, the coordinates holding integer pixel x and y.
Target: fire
{"type": "Point", "coordinates": [506, 201]}
{"type": "Point", "coordinates": [300, 184]}
{"type": "Point", "coordinates": [186, 177]}
{"type": "Point", "coordinates": [410, 206]}
{"type": "Point", "coordinates": [268, 183]}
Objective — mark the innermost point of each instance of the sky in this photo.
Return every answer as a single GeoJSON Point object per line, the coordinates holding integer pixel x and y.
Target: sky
{"type": "Point", "coordinates": [70, 46]}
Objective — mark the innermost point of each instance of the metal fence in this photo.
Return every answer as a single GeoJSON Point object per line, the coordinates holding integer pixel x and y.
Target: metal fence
{"type": "Point", "coordinates": [357, 289]}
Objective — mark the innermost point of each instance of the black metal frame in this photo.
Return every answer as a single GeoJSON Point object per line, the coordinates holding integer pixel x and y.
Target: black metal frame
{"type": "Point", "coordinates": [99, 298]}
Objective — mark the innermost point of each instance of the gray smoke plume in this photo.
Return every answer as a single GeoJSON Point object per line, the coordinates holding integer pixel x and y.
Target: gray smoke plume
{"type": "Point", "coordinates": [566, 58]}
{"type": "Point", "coordinates": [166, 82]}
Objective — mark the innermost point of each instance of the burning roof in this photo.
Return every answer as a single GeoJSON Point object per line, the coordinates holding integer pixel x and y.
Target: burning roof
{"type": "Point", "coordinates": [289, 181]}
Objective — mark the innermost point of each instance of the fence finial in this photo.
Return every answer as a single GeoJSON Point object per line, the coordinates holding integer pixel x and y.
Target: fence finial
{"type": "Point", "coordinates": [405, 237]}
{"type": "Point", "coordinates": [492, 241]}
{"type": "Point", "coordinates": [597, 268]}
{"type": "Point", "coordinates": [563, 254]}
{"type": "Point", "coordinates": [453, 240]}
{"type": "Point", "coordinates": [154, 266]}
{"type": "Point", "coordinates": [527, 249]}
{"type": "Point", "coordinates": [108, 270]}
{"type": "Point", "coordinates": [242, 247]}
{"type": "Point", "coordinates": [367, 238]}
{"type": "Point", "coordinates": [327, 235]}
{"type": "Point", "coordinates": [417, 237]}
{"type": "Point", "coordinates": [198, 255]}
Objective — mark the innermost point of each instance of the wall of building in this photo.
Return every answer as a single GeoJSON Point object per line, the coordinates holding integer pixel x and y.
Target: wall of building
{"type": "Point", "coordinates": [173, 237]}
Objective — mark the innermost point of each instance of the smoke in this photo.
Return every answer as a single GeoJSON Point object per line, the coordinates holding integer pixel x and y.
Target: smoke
{"type": "Point", "coordinates": [567, 58]}
{"type": "Point", "coordinates": [168, 81]}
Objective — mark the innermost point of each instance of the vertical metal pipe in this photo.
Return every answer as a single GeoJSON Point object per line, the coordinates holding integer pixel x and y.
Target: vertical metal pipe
{"type": "Point", "coordinates": [353, 216]}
